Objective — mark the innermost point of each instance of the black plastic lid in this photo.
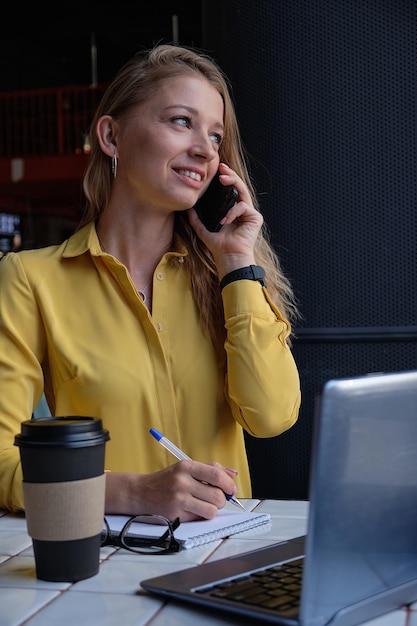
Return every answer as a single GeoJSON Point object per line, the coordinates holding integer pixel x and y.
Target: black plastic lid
{"type": "Point", "coordinates": [69, 431]}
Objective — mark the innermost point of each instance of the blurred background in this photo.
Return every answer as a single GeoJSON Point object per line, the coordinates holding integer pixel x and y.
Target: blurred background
{"type": "Point", "coordinates": [57, 51]}
{"type": "Point", "coordinates": [51, 77]}
{"type": "Point", "coordinates": [325, 91]}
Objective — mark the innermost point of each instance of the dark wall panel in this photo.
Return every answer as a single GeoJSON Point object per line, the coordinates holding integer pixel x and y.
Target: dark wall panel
{"type": "Point", "coordinates": [326, 94]}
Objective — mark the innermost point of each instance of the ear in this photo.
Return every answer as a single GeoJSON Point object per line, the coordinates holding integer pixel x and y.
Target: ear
{"type": "Point", "coordinates": [105, 135]}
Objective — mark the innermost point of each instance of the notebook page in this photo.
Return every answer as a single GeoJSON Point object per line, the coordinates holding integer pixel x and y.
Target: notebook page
{"type": "Point", "coordinates": [190, 534]}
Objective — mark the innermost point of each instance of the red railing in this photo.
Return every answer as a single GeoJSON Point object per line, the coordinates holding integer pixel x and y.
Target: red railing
{"type": "Point", "coordinates": [47, 122]}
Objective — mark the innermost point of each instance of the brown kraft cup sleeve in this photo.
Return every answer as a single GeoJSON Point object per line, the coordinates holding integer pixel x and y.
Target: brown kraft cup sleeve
{"type": "Point", "coordinates": [65, 511]}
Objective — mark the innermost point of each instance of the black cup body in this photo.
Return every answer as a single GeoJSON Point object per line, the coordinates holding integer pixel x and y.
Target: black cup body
{"type": "Point", "coordinates": [68, 450]}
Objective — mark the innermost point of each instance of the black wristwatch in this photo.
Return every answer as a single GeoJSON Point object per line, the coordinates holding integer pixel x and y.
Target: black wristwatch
{"type": "Point", "coordinates": [251, 272]}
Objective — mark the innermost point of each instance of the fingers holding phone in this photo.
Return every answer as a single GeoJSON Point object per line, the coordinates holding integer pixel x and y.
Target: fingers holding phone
{"type": "Point", "coordinates": [215, 203]}
{"type": "Point", "coordinates": [219, 198]}
{"type": "Point", "coordinates": [235, 238]}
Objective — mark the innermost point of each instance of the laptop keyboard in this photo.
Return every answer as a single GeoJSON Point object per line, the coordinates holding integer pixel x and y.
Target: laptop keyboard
{"type": "Point", "coordinates": [276, 588]}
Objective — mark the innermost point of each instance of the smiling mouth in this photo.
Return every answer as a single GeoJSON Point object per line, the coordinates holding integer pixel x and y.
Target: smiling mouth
{"type": "Point", "coordinates": [193, 175]}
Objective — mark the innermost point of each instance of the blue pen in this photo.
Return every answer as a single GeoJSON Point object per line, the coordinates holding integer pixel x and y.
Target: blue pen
{"type": "Point", "coordinates": [179, 454]}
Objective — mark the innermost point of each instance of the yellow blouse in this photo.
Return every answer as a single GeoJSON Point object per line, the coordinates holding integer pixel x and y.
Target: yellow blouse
{"type": "Point", "coordinates": [73, 324]}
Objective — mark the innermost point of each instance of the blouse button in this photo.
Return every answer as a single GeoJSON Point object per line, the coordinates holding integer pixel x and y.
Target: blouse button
{"type": "Point", "coordinates": [159, 327]}
{"type": "Point", "coordinates": [160, 276]}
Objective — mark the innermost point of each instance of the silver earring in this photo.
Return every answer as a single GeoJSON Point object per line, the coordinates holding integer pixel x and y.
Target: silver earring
{"type": "Point", "coordinates": [114, 165]}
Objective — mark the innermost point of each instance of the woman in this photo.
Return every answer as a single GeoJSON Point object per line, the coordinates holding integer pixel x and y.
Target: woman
{"type": "Point", "coordinates": [142, 317]}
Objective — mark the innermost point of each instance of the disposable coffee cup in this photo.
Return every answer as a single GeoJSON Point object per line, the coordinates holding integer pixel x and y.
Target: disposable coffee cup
{"type": "Point", "coordinates": [64, 489]}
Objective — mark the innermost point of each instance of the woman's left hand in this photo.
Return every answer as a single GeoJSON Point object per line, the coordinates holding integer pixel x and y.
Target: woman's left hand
{"type": "Point", "coordinates": [232, 246]}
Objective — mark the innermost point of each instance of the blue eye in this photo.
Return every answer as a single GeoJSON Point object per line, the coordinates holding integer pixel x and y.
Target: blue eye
{"type": "Point", "coordinates": [185, 122]}
{"type": "Point", "coordinates": [216, 138]}
{"type": "Point", "coordinates": [182, 120]}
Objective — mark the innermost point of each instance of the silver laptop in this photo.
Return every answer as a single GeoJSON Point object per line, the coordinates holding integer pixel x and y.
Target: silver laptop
{"type": "Point", "coordinates": [359, 557]}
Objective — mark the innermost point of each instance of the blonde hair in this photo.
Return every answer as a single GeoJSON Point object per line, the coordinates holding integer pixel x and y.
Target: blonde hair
{"type": "Point", "coordinates": [134, 84]}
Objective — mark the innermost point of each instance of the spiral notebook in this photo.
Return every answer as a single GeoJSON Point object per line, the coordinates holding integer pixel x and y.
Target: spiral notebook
{"type": "Point", "coordinates": [192, 534]}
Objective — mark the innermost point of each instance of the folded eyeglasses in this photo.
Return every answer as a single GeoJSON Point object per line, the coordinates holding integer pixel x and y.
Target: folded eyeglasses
{"type": "Point", "coordinates": [154, 536]}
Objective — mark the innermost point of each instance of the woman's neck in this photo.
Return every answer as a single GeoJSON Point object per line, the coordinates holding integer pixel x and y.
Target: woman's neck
{"type": "Point", "coordinates": [139, 246]}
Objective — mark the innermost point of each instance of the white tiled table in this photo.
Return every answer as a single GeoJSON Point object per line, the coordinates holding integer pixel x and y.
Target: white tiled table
{"type": "Point", "coordinates": [113, 597]}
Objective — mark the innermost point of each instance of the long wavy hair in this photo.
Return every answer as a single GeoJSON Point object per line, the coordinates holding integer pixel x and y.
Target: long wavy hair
{"type": "Point", "coordinates": [134, 84]}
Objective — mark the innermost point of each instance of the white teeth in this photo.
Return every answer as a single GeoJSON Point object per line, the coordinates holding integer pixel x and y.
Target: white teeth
{"type": "Point", "coordinates": [193, 175]}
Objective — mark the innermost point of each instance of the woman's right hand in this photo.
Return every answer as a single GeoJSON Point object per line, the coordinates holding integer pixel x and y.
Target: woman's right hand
{"type": "Point", "coordinates": [233, 246]}
{"type": "Point", "coordinates": [189, 490]}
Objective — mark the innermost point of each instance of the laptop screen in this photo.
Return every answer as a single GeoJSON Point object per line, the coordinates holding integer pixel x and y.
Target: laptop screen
{"type": "Point", "coordinates": [362, 537]}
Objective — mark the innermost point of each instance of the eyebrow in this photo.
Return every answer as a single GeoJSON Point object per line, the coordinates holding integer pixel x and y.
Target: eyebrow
{"type": "Point", "coordinates": [217, 125]}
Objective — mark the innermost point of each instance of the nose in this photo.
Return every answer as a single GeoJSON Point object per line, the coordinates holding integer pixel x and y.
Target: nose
{"type": "Point", "coordinates": [204, 147]}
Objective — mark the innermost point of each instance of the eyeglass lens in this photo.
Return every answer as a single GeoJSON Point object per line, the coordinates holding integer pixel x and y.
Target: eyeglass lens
{"type": "Point", "coordinates": [145, 534]}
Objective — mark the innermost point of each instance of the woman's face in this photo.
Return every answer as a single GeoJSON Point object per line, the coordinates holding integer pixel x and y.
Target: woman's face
{"type": "Point", "coordinates": [168, 147]}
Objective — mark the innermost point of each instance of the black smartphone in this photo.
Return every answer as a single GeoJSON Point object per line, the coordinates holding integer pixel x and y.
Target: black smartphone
{"type": "Point", "coordinates": [215, 203]}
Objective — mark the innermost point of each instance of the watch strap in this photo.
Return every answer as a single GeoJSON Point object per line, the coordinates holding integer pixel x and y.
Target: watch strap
{"type": "Point", "coordinates": [250, 272]}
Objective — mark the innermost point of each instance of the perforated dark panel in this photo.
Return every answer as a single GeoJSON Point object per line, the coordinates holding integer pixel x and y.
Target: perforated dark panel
{"type": "Point", "coordinates": [280, 466]}
{"type": "Point", "coordinates": [326, 94]}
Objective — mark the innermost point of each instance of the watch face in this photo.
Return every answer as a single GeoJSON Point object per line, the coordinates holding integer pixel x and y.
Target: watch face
{"type": "Point", "coordinates": [258, 272]}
